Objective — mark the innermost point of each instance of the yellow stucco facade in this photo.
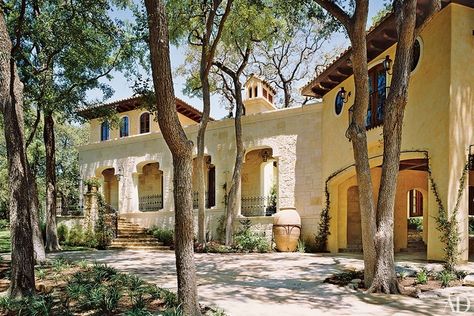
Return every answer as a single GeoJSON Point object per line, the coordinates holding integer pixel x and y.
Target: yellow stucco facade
{"type": "Point", "coordinates": [307, 151]}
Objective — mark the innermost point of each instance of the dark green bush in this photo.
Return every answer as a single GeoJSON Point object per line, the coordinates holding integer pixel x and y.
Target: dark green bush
{"type": "Point", "coordinates": [76, 236]}
{"type": "Point", "coordinates": [4, 224]}
{"type": "Point", "coordinates": [471, 225]}
{"type": "Point", "coordinates": [416, 223]}
{"type": "Point", "coordinates": [166, 236]}
{"type": "Point", "coordinates": [248, 240]}
{"type": "Point", "coordinates": [63, 232]}
{"type": "Point", "coordinates": [90, 239]}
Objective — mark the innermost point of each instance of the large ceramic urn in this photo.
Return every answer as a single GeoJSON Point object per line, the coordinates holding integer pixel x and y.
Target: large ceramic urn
{"type": "Point", "coordinates": [286, 229]}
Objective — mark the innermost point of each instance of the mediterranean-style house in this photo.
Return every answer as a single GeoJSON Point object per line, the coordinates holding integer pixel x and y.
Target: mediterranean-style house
{"type": "Point", "coordinates": [300, 157]}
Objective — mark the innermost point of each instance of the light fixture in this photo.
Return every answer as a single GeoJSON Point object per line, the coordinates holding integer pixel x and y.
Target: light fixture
{"type": "Point", "coordinates": [387, 64]}
{"type": "Point", "coordinates": [344, 95]}
{"type": "Point", "coordinates": [265, 155]}
{"type": "Point", "coordinates": [119, 175]}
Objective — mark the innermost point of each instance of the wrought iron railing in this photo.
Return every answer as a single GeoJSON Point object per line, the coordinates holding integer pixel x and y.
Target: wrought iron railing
{"type": "Point", "coordinates": [69, 210]}
{"type": "Point", "coordinates": [258, 206]}
{"type": "Point", "coordinates": [196, 200]}
{"type": "Point", "coordinates": [373, 120]}
{"type": "Point", "coordinates": [150, 203]}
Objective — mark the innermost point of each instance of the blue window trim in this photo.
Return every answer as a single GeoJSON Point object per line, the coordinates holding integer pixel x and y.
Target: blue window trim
{"type": "Point", "coordinates": [104, 131]}
{"type": "Point", "coordinates": [124, 127]}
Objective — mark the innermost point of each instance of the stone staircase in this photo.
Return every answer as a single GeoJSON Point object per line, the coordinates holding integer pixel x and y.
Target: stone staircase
{"type": "Point", "coordinates": [133, 236]}
{"type": "Point", "coordinates": [414, 242]}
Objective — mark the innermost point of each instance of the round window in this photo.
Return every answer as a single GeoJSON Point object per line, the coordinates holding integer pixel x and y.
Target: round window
{"type": "Point", "coordinates": [339, 103]}
{"type": "Point", "coordinates": [416, 54]}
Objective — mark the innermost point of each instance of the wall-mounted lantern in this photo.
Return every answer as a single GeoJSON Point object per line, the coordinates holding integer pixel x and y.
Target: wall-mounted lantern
{"type": "Point", "coordinates": [119, 175]}
{"type": "Point", "coordinates": [387, 64]}
{"type": "Point", "coordinates": [265, 155]}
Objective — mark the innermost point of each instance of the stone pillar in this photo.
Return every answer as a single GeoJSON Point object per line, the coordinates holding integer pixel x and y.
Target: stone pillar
{"type": "Point", "coordinates": [134, 201]}
{"type": "Point", "coordinates": [286, 181]}
{"type": "Point", "coordinates": [91, 210]}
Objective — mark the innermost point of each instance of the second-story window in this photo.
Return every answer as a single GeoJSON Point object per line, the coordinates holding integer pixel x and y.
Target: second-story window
{"type": "Point", "coordinates": [104, 131]}
{"type": "Point", "coordinates": [377, 96]}
{"type": "Point", "coordinates": [145, 123]}
{"type": "Point", "coordinates": [124, 126]}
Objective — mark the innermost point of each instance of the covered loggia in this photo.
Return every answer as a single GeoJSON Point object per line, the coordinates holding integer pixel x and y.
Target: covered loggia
{"type": "Point", "coordinates": [209, 180]}
{"type": "Point", "coordinates": [110, 187]}
{"type": "Point", "coordinates": [259, 183]}
{"type": "Point", "coordinates": [411, 213]}
{"type": "Point", "coordinates": [150, 187]}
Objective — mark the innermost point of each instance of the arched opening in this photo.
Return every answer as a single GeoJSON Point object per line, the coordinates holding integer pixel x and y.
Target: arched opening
{"type": "Point", "coordinates": [411, 198]}
{"type": "Point", "coordinates": [209, 180]}
{"type": "Point", "coordinates": [124, 126]}
{"type": "Point", "coordinates": [415, 210]}
{"type": "Point", "coordinates": [150, 188]}
{"type": "Point", "coordinates": [110, 187]}
{"type": "Point", "coordinates": [259, 183]}
{"type": "Point", "coordinates": [145, 123]}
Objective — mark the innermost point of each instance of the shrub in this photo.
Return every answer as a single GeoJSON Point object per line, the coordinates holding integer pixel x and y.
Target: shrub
{"type": "Point", "coordinates": [415, 223]}
{"type": "Point", "coordinates": [76, 236]}
{"type": "Point", "coordinates": [90, 239]}
{"type": "Point", "coordinates": [103, 238]}
{"type": "Point", "coordinates": [471, 225]}
{"type": "Point", "coordinates": [4, 224]}
{"type": "Point", "coordinates": [445, 277]}
{"type": "Point", "coordinates": [422, 276]}
{"type": "Point", "coordinates": [301, 247]}
{"type": "Point", "coordinates": [63, 232]}
{"type": "Point", "coordinates": [166, 236]}
{"type": "Point", "coordinates": [248, 240]}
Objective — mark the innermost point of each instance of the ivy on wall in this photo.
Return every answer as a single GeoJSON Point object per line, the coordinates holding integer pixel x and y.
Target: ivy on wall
{"type": "Point", "coordinates": [447, 222]}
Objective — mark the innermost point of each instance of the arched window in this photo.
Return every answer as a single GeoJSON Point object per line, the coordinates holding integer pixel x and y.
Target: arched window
{"type": "Point", "coordinates": [377, 96]}
{"type": "Point", "coordinates": [104, 131]}
{"type": "Point", "coordinates": [416, 54]}
{"type": "Point", "coordinates": [415, 203]}
{"type": "Point", "coordinates": [256, 91]}
{"type": "Point", "coordinates": [250, 93]}
{"type": "Point", "coordinates": [145, 123]}
{"type": "Point", "coordinates": [124, 126]}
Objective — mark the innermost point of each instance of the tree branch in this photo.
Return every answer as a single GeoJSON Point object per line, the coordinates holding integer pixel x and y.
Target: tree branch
{"type": "Point", "coordinates": [336, 11]}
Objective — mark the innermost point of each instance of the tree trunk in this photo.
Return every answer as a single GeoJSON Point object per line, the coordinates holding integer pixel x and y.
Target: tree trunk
{"type": "Point", "coordinates": [287, 93]}
{"type": "Point", "coordinates": [52, 242]}
{"type": "Point", "coordinates": [385, 278]}
{"type": "Point", "coordinates": [38, 244]}
{"type": "Point", "coordinates": [181, 150]}
{"type": "Point", "coordinates": [358, 138]}
{"type": "Point", "coordinates": [239, 157]}
{"type": "Point", "coordinates": [206, 98]}
{"type": "Point", "coordinates": [11, 99]}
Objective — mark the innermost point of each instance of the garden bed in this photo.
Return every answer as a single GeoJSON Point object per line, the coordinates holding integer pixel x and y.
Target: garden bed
{"type": "Point", "coordinates": [68, 288]}
{"type": "Point", "coordinates": [411, 282]}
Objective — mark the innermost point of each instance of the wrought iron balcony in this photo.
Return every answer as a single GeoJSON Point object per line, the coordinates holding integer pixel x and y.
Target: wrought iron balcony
{"type": "Point", "coordinates": [150, 203]}
{"type": "Point", "coordinates": [258, 206]}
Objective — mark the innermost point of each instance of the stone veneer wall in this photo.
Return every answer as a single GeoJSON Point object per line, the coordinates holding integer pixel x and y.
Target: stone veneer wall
{"type": "Point", "coordinates": [294, 136]}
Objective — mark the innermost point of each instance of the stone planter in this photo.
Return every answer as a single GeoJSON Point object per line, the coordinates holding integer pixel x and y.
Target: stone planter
{"type": "Point", "coordinates": [286, 229]}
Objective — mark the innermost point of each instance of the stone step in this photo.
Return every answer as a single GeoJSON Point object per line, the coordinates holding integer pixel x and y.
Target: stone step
{"type": "Point", "coordinates": [136, 241]}
{"type": "Point", "coordinates": [125, 231]}
{"type": "Point", "coordinates": [140, 247]}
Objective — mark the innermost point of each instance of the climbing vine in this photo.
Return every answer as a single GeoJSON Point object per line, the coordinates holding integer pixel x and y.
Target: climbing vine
{"type": "Point", "coordinates": [447, 223]}
{"type": "Point", "coordinates": [321, 239]}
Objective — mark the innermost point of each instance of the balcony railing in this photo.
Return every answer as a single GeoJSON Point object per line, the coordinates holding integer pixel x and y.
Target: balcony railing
{"type": "Point", "coordinates": [375, 110]}
{"type": "Point", "coordinates": [258, 206]}
{"type": "Point", "coordinates": [150, 203]}
{"type": "Point", "coordinates": [196, 200]}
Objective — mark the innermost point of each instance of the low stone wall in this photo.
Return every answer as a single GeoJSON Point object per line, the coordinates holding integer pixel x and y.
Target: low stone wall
{"type": "Point", "coordinates": [70, 221]}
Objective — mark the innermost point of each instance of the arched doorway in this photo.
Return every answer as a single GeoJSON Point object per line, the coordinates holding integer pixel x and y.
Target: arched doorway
{"type": "Point", "coordinates": [210, 183]}
{"type": "Point", "coordinates": [110, 187]}
{"type": "Point", "coordinates": [150, 188]}
{"type": "Point", "coordinates": [259, 183]}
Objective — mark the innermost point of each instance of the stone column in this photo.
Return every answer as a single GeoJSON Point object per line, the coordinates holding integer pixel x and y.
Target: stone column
{"type": "Point", "coordinates": [91, 210]}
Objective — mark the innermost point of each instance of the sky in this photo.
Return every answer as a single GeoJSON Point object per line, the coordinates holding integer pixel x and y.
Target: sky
{"type": "Point", "coordinates": [122, 87]}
